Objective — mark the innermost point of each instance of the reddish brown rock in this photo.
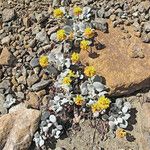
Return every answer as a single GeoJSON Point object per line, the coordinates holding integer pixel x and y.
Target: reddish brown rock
{"type": "Point", "coordinates": [6, 58]}
{"type": "Point", "coordinates": [123, 74]}
{"type": "Point", "coordinates": [17, 128]}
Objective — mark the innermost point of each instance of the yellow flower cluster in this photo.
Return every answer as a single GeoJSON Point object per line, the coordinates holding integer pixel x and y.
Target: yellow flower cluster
{"type": "Point", "coordinates": [84, 45]}
{"type": "Point", "coordinates": [120, 133]}
{"type": "Point", "coordinates": [61, 35]}
{"type": "Point", "coordinates": [75, 57]}
{"type": "Point", "coordinates": [79, 100]}
{"type": "Point", "coordinates": [67, 80]}
{"type": "Point", "coordinates": [101, 104]}
{"type": "Point", "coordinates": [89, 71]}
{"type": "Point", "coordinates": [43, 61]}
{"type": "Point", "coordinates": [58, 13]}
{"type": "Point", "coordinates": [88, 33]}
{"type": "Point", "coordinates": [77, 11]}
{"type": "Point", "coordinates": [71, 74]}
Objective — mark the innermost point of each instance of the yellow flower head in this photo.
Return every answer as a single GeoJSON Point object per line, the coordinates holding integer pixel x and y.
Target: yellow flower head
{"type": "Point", "coordinates": [84, 45]}
{"type": "Point", "coordinates": [101, 104]}
{"type": "Point", "coordinates": [77, 11]}
{"type": "Point", "coordinates": [71, 74]}
{"type": "Point", "coordinates": [88, 33]}
{"type": "Point", "coordinates": [58, 13]}
{"type": "Point", "coordinates": [121, 133]}
{"type": "Point", "coordinates": [79, 100]}
{"type": "Point", "coordinates": [61, 35]}
{"type": "Point", "coordinates": [43, 61]}
{"type": "Point", "coordinates": [89, 71]}
{"type": "Point", "coordinates": [75, 57]}
{"type": "Point", "coordinates": [67, 80]}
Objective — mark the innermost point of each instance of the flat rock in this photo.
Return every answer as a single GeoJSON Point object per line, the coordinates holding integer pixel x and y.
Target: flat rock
{"type": "Point", "coordinates": [124, 75]}
{"type": "Point", "coordinates": [40, 85]}
{"type": "Point", "coordinates": [18, 127]}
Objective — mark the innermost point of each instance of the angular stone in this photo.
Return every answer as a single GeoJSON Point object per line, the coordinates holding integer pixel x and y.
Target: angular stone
{"type": "Point", "coordinates": [2, 100]}
{"type": "Point", "coordinates": [6, 58]}
{"type": "Point", "coordinates": [40, 85]}
{"type": "Point", "coordinates": [8, 15]}
{"type": "Point", "coordinates": [18, 127]}
{"type": "Point", "coordinates": [32, 79]}
{"type": "Point", "coordinates": [33, 100]}
{"type": "Point", "coordinates": [123, 75]}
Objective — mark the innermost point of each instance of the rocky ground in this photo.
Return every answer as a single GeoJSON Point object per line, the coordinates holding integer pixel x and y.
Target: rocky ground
{"type": "Point", "coordinates": [123, 34]}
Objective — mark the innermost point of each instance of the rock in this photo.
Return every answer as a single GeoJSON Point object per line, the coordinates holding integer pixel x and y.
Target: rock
{"type": "Point", "coordinates": [6, 40]}
{"type": "Point", "coordinates": [10, 100]}
{"type": "Point", "coordinates": [42, 37]}
{"type": "Point", "coordinates": [145, 37]}
{"type": "Point", "coordinates": [33, 101]}
{"type": "Point", "coordinates": [145, 113]}
{"type": "Point", "coordinates": [32, 79]}
{"type": "Point", "coordinates": [136, 52]}
{"type": "Point", "coordinates": [20, 95]}
{"type": "Point", "coordinates": [27, 22]}
{"type": "Point", "coordinates": [5, 84]}
{"type": "Point", "coordinates": [21, 80]}
{"type": "Point", "coordinates": [8, 15]}
{"type": "Point", "coordinates": [34, 62]}
{"type": "Point", "coordinates": [18, 127]}
{"type": "Point", "coordinates": [3, 110]}
{"type": "Point", "coordinates": [147, 27]}
{"type": "Point", "coordinates": [100, 24]}
{"type": "Point", "coordinates": [40, 85]}
{"type": "Point", "coordinates": [6, 58]}
{"type": "Point", "coordinates": [32, 43]}
{"type": "Point", "coordinates": [123, 75]}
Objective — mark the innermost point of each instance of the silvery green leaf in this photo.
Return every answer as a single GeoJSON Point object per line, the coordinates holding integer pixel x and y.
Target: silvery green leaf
{"type": "Point", "coordinates": [98, 86]}
{"type": "Point", "coordinates": [59, 127]}
{"type": "Point", "coordinates": [45, 129]}
{"type": "Point", "coordinates": [112, 125]}
{"type": "Point", "coordinates": [96, 114]}
{"type": "Point", "coordinates": [67, 63]}
{"type": "Point", "coordinates": [64, 100]}
{"type": "Point", "coordinates": [41, 142]}
{"type": "Point", "coordinates": [59, 109]}
{"type": "Point", "coordinates": [128, 105]}
{"type": "Point", "coordinates": [119, 120]}
{"type": "Point", "coordinates": [119, 102]}
{"type": "Point", "coordinates": [102, 93]}
{"type": "Point", "coordinates": [51, 57]}
{"type": "Point", "coordinates": [53, 132]}
{"type": "Point", "coordinates": [59, 56]}
{"type": "Point", "coordinates": [81, 76]}
{"type": "Point", "coordinates": [84, 91]}
{"type": "Point", "coordinates": [125, 109]}
{"type": "Point", "coordinates": [53, 37]}
{"type": "Point", "coordinates": [111, 118]}
{"type": "Point", "coordinates": [63, 9]}
{"type": "Point", "coordinates": [123, 125]}
{"type": "Point", "coordinates": [126, 117]}
{"type": "Point", "coordinates": [57, 136]}
{"type": "Point", "coordinates": [96, 78]}
{"type": "Point", "coordinates": [90, 102]}
{"type": "Point", "coordinates": [82, 26]}
{"type": "Point", "coordinates": [52, 118]}
{"type": "Point", "coordinates": [56, 98]}
{"type": "Point", "coordinates": [86, 10]}
{"type": "Point", "coordinates": [75, 27]}
{"type": "Point", "coordinates": [68, 29]}
{"type": "Point", "coordinates": [49, 125]}
{"type": "Point", "coordinates": [58, 132]}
